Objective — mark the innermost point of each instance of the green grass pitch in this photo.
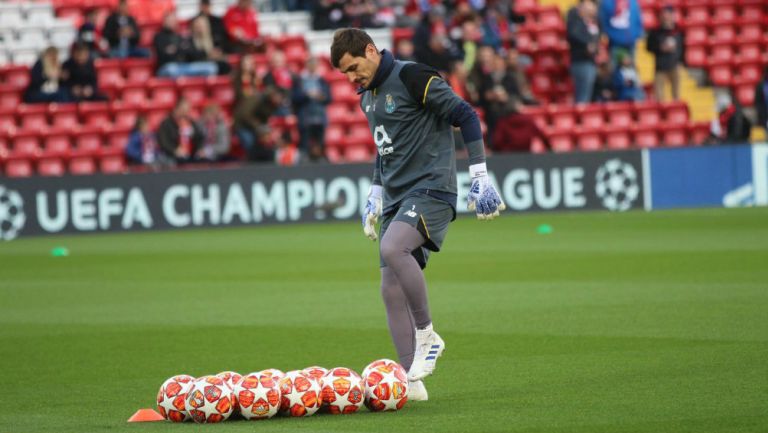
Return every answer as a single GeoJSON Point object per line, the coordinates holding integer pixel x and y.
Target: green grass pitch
{"type": "Point", "coordinates": [637, 322]}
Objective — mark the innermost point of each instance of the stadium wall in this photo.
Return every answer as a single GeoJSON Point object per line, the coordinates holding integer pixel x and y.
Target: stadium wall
{"type": "Point", "coordinates": [616, 181]}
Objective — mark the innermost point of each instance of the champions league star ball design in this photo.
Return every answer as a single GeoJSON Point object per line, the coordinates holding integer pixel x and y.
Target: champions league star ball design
{"type": "Point", "coordinates": [231, 378]}
{"type": "Point", "coordinates": [315, 373]}
{"type": "Point", "coordinates": [12, 216]}
{"type": "Point", "coordinates": [258, 396]}
{"type": "Point", "coordinates": [272, 372]}
{"type": "Point", "coordinates": [300, 394]}
{"type": "Point", "coordinates": [170, 398]}
{"type": "Point", "coordinates": [210, 400]}
{"type": "Point", "coordinates": [343, 391]}
{"type": "Point", "coordinates": [616, 184]}
{"type": "Point", "coordinates": [386, 386]}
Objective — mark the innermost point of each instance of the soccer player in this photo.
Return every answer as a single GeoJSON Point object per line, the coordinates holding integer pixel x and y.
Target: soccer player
{"type": "Point", "coordinates": [411, 111]}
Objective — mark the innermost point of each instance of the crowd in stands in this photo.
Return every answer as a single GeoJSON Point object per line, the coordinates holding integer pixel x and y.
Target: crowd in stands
{"type": "Point", "coordinates": [473, 44]}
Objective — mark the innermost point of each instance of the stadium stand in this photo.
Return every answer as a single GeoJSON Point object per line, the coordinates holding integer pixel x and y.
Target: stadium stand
{"type": "Point", "coordinates": [726, 39]}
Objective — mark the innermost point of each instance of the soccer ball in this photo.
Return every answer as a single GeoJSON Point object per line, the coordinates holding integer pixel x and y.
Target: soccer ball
{"type": "Point", "coordinates": [272, 372]}
{"type": "Point", "coordinates": [170, 398]}
{"type": "Point", "coordinates": [210, 400]}
{"type": "Point", "coordinates": [616, 183]}
{"type": "Point", "coordinates": [12, 216]}
{"type": "Point", "coordinates": [386, 386]}
{"type": "Point", "coordinates": [258, 396]}
{"type": "Point", "coordinates": [343, 391]}
{"type": "Point", "coordinates": [300, 394]}
{"type": "Point", "coordinates": [231, 378]}
{"type": "Point", "coordinates": [315, 373]}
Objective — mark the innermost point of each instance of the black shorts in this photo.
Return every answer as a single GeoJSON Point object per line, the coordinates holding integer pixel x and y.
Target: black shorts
{"type": "Point", "coordinates": [429, 215]}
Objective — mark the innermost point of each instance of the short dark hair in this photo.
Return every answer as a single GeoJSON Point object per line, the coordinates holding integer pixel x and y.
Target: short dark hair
{"type": "Point", "coordinates": [352, 41]}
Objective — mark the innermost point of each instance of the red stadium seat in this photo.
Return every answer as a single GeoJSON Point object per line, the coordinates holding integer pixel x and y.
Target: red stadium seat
{"type": "Point", "coordinates": [9, 97]}
{"type": "Point", "coordinates": [343, 92]}
{"type": "Point", "coordinates": [750, 30]}
{"type": "Point", "coordinates": [720, 74]}
{"type": "Point", "coordinates": [648, 113]}
{"type": "Point", "coordinates": [723, 33]}
{"type": "Point", "coordinates": [193, 89]}
{"type": "Point", "coordinates": [57, 144]}
{"type": "Point", "coordinates": [674, 135]}
{"type": "Point", "coordinates": [25, 145]}
{"type": "Point", "coordinates": [591, 116]}
{"type": "Point", "coordinates": [645, 137]}
{"type": "Point", "coordinates": [617, 138]}
{"type": "Point", "coordinates": [720, 53]}
{"type": "Point", "coordinates": [358, 153]}
{"type": "Point", "coordinates": [676, 113]}
{"type": "Point", "coordinates": [619, 114]}
{"type": "Point", "coordinates": [561, 141]}
{"type": "Point", "coordinates": [63, 115]}
{"type": "Point", "coordinates": [50, 166]}
{"type": "Point", "coordinates": [82, 165]}
{"type": "Point", "coordinates": [698, 132]}
{"type": "Point", "coordinates": [18, 167]}
{"type": "Point", "coordinates": [696, 56]}
{"type": "Point", "coordinates": [750, 52]}
{"type": "Point", "coordinates": [221, 91]}
{"type": "Point", "coordinates": [338, 114]}
{"type": "Point", "coordinates": [138, 70]}
{"type": "Point", "coordinates": [95, 114]}
{"type": "Point", "coordinates": [549, 17]}
{"type": "Point", "coordinates": [7, 119]}
{"type": "Point", "coordinates": [562, 117]}
{"type": "Point", "coordinates": [16, 76]}
{"type": "Point", "coordinates": [124, 115]}
{"type": "Point", "coordinates": [112, 164]}
{"type": "Point", "coordinates": [589, 139]}
{"type": "Point", "coordinates": [33, 116]}
{"type": "Point", "coordinates": [696, 35]}
{"type": "Point", "coordinates": [744, 90]}
{"type": "Point", "coordinates": [134, 94]}
{"type": "Point", "coordinates": [750, 71]}
{"type": "Point", "coordinates": [697, 15]}
{"type": "Point", "coordinates": [109, 72]}
{"type": "Point", "coordinates": [334, 136]}
{"type": "Point", "coordinates": [725, 12]}
{"type": "Point", "coordinates": [88, 141]}
{"type": "Point", "coordinates": [162, 90]}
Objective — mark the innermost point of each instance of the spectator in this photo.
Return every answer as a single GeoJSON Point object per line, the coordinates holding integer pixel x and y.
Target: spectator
{"type": "Point", "coordinates": [604, 91]}
{"type": "Point", "coordinates": [470, 38]}
{"type": "Point", "coordinates": [583, 37]}
{"type": "Point", "coordinates": [731, 126]}
{"type": "Point", "coordinates": [279, 76]}
{"type": "Point", "coordinates": [176, 55]}
{"type": "Point", "coordinates": [433, 23]}
{"type": "Point", "coordinates": [622, 22]}
{"type": "Point", "coordinates": [216, 25]}
{"type": "Point", "coordinates": [440, 53]}
{"type": "Point", "coordinates": [202, 42]}
{"type": "Point", "coordinates": [515, 131]}
{"type": "Point", "coordinates": [761, 100]}
{"type": "Point", "coordinates": [360, 13]}
{"type": "Point", "coordinates": [311, 95]}
{"type": "Point", "coordinates": [516, 71]}
{"type": "Point", "coordinates": [404, 50]}
{"type": "Point", "coordinates": [626, 80]}
{"type": "Point", "coordinates": [496, 29]}
{"type": "Point", "coordinates": [45, 83]}
{"type": "Point", "coordinates": [89, 33]}
{"type": "Point", "coordinates": [142, 146]}
{"type": "Point", "coordinates": [496, 90]}
{"type": "Point", "coordinates": [122, 34]}
{"type": "Point", "coordinates": [178, 135]}
{"type": "Point", "coordinates": [666, 43]}
{"type": "Point", "coordinates": [483, 67]}
{"type": "Point", "coordinates": [215, 131]}
{"type": "Point", "coordinates": [328, 14]}
{"type": "Point", "coordinates": [458, 80]}
{"type": "Point", "coordinates": [246, 79]}
{"type": "Point", "coordinates": [79, 75]}
{"type": "Point", "coordinates": [251, 117]}
{"type": "Point", "coordinates": [242, 27]}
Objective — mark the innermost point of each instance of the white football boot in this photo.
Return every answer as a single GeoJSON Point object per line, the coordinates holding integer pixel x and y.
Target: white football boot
{"type": "Point", "coordinates": [429, 347]}
{"type": "Point", "coordinates": [417, 391]}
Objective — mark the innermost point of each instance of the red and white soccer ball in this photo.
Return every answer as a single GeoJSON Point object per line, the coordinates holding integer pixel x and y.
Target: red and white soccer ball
{"type": "Point", "coordinates": [210, 400]}
{"type": "Point", "coordinates": [170, 398]}
{"type": "Point", "coordinates": [258, 396]}
{"type": "Point", "coordinates": [272, 372]}
{"type": "Point", "coordinates": [231, 378]}
{"type": "Point", "coordinates": [300, 394]}
{"type": "Point", "coordinates": [343, 391]}
{"type": "Point", "coordinates": [386, 386]}
{"type": "Point", "coordinates": [316, 373]}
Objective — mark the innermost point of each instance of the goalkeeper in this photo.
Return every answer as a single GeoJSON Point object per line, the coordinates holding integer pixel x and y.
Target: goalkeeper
{"type": "Point", "coordinates": [411, 111]}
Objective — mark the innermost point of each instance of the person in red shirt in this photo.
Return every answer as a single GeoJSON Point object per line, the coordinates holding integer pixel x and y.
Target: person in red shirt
{"type": "Point", "coordinates": [242, 26]}
{"type": "Point", "coordinates": [515, 131]}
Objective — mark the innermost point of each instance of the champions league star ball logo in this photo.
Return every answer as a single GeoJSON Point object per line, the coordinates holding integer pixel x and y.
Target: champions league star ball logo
{"type": "Point", "coordinates": [11, 214]}
{"type": "Point", "coordinates": [616, 184]}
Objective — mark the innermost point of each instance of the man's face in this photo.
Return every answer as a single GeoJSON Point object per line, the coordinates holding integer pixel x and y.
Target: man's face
{"type": "Point", "coordinates": [360, 70]}
{"type": "Point", "coordinates": [588, 10]}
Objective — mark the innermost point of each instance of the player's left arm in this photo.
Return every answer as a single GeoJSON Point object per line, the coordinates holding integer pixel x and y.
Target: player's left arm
{"type": "Point", "coordinates": [427, 87]}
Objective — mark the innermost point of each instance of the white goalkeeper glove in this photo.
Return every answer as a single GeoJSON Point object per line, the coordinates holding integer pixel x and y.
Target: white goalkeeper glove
{"type": "Point", "coordinates": [483, 197]}
{"type": "Point", "coordinates": [372, 212]}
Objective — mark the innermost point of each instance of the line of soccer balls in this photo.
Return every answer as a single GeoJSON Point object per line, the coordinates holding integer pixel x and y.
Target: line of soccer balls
{"type": "Point", "coordinates": [263, 394]}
